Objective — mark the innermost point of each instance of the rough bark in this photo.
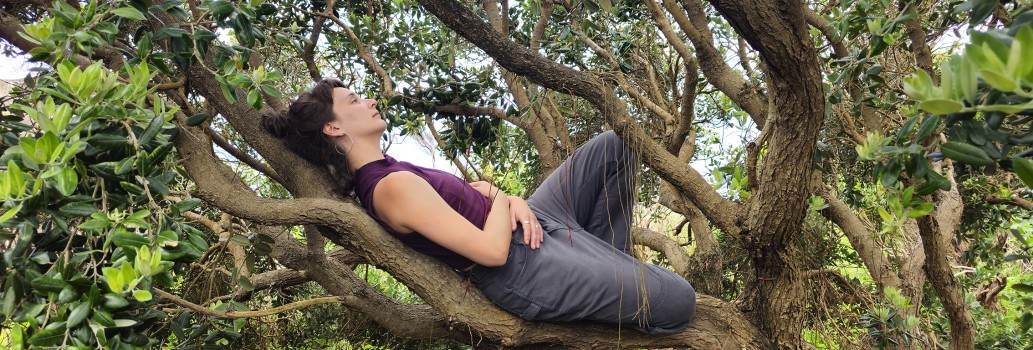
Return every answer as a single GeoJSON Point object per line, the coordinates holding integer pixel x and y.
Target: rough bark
{"type": "Point", "coordinates": [777, 206]}
{"type": "Point", "coordinates": [938, 270]}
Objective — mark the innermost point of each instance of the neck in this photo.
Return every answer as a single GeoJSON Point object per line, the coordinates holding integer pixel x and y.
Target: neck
{"type": "Point", "coordinates": [362, 153]}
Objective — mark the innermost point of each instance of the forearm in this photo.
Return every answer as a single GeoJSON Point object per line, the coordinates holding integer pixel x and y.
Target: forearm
{"type": "Point", "coordinates": [497, 225]}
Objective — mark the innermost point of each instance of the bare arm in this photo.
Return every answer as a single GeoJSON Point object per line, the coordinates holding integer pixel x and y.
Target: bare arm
{"type": "Point", "coordinates": [408, 203]}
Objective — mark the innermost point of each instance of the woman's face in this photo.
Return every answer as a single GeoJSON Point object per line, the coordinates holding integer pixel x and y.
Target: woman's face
{"type": "Point", "coordinates": [354, 116]}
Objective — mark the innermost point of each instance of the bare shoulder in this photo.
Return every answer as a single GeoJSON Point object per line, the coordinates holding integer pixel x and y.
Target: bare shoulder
{"type": "Point", "coordinates": [400, 183]}
{"type": "Point", "coordinates": [399, 193]}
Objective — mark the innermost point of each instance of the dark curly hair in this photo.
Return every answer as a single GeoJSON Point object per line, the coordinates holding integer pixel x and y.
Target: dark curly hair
{"type": "Point", "coordinates": [302, 127]}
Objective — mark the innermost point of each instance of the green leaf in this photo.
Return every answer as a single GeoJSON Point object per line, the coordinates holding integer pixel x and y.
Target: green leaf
{"type": "Point", "coordinates": [124, 166]}
{"type": "Point", "coordinates": [102, 318]}
{"type": "Point", "coordinates": [78, 314]}
{"type": "Point", "coordinates": [240, 240]}
{"type": "Point", "coordinates": [167, 238]}
{"type": "Point", "coordinates": [1022, 287]}
{"type": "Point", "coordinates": [116, 283]}
{"type": "Point", "coordinates": [17, 336]}
{"type": "Point", "coordinates": [1015, 60]}
{"type": "Point", "coordinates": [272, 91]}
{"type": "Point", "coordinates": [939, 106]}
{"type": "Point", "coordinates": [95, 224]}
{"type": "Point", "coordinates": [998, 81]}
{"type": "Point", "coordinates": [1013, 257]}
{"type": "Point", "coordinates": [920, 210]}
{"type": "Point", "coordinates": [10, 213]}
{"type": "Point", "coordinates": [119, 323]}
{"type": "Point", "coordinates": [220, 8]}
{"type": "Point", "coordinates": [115, 301]}
{"type": "Point", "coordinates": [965, 153]}
{"type": "Point", "coordinates": [254, 98]}
{"type": "Point", "coordinates": [196, 119]}
{"type": "Point", "coordinates": [886, 216]}
{"type": "Point", "coordinates": [1010, 109]}
{"type": "Point", "coordinates": [9, 301]}
{"type": "Point", "coordinates": [245, 283]}
{"type": "Point", "coordinates": [906, 129]}
{"type": "Point", "coordinates": [68, 294]}
{"type": "Point", "coordinates": [142, 295]}
{"type": "Point", "coordinates": [130, 13]}
{"type": "Point", "coordinates": [928, 125]}
{"type": "Point", "coordinates": [1023, 168]}
{"type": "Point", "coordinates": [152, 129]}
{"type": "Point", "coordinates": [919, 85]}
{"type": "Point", "coordinates": [78, 209]}
{"type": "Point", "coordinates": [47, 284]}
{"type": "Point", "coordinates": [187, 205]}
{"type": "Point", "coordinates": [47, 337]}
{"type": "Point", "coordinates": [129, 240]}
{"type": "Point", "coordinates": [1025, 37]}
{"type": "Point", "coordinates": [128, 275]}
{"type": "Point", "coordinates": [67, 181]}
{"type": "Point", "coordinates": [171, 31]}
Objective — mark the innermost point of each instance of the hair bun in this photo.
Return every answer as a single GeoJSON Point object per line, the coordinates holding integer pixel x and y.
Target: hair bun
{"type": "Point", "coordinates": [277, 123]}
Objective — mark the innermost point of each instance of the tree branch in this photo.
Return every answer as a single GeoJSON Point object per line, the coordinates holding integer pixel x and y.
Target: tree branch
{"type": "Point", "coordinates": [917, 35]}
{"type": "Point", "coordinates": [940, 274]}
{"type": "Point", "coordinates": [1015, 200]}
{"type": "Point", "coordinates": [243, 157]}
{"type": "Point", "coordinates": [817, 21]}
{"type": "Point", "coordinates": [677, 257]}
{"type": "Point", "coordinates": [308, 52]}
{"type": "Point", "coordinates": [273, 279]}
{"type": "Point", "coordinates": [861, 240]}
{"type": "Point", "coordinates": [243, 314]}
{"type": "Point", "coordinates": [455, 160]}
{"type": "Point", "coordinates": [713, 66]}
{"type": "Point", "coordinates": [539, 27]}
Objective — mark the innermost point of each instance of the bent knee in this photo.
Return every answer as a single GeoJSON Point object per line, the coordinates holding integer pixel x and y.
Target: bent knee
{"type": "Point", "coordinates": [677, 310]}
{"type": "Point", "coordinates": [614, 144]}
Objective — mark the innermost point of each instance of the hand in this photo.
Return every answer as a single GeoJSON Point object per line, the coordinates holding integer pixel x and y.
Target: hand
{"type": "Point", "coordinates": [520, 211]}
{"type": "Point", "coordinates": [487, 189]}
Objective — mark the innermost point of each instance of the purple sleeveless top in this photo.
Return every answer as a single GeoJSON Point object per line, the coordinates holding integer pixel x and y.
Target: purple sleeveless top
{"type": "Point", "coordinates": [456, 192]}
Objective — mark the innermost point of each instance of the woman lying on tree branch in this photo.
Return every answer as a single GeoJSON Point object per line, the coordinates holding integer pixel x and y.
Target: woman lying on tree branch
{"type": "Point", "coordinates": [561, 255]}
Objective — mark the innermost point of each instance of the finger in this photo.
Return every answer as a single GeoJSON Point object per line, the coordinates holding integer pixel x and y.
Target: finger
{"type": "Point", "coordinates": [541, 231]}
{"type": "Point", "coordinates": [527, 233]}
{"type": "Point", "coordinates": [512, 220]}
{"type": "Point", "coordinates": [534, 239]}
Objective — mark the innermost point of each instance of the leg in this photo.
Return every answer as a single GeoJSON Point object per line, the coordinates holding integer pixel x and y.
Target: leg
{"type": "Point", "coordinates": [588, 281]}
{"type": "Point", "coordinates": [593, 189]}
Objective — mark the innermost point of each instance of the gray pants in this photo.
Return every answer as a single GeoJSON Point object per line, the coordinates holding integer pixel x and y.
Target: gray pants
{"type": "Point", "coordinates": [582, 270]}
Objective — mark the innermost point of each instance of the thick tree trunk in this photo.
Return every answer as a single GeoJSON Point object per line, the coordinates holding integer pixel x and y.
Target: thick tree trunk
{"type": "Point", "coordinates": [938, 270]}
{"type": "Point", "coordinates": [795, 113]}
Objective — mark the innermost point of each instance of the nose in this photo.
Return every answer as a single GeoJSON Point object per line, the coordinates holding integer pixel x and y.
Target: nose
{"type": "Point", "coordinates": [372, 103]}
